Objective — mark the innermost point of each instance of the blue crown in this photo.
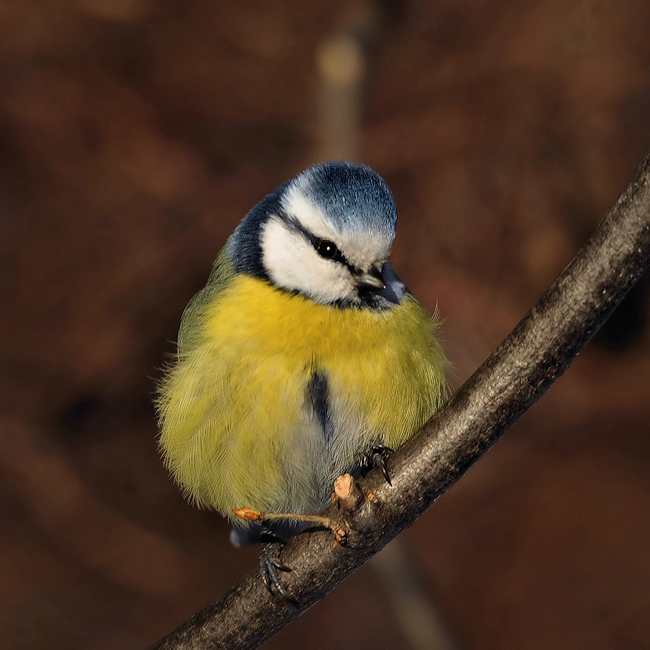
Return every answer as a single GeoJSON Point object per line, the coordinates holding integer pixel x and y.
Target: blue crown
{"type": "Point", "coordinates": [353, 197]}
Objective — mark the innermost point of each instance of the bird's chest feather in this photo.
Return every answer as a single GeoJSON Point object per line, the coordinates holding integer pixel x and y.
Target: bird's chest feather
{"type": "Point", "coordinates": [356, 373]}
{"type": "Point", "coordinates": [279, 395]}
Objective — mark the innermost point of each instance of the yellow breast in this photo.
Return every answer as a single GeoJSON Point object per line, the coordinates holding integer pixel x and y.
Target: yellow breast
{"type": "Point", "coordinates": [236, 429]}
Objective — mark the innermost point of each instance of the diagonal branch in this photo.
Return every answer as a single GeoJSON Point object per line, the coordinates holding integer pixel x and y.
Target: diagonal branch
{"type": "Point", "coordinates": [530, 359]}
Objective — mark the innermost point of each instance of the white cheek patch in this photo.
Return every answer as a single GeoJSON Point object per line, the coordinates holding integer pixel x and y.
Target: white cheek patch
{"type": "Point", "coordinates": [360, 250]}
{"type": "Point", "coordinates": [293, 264]}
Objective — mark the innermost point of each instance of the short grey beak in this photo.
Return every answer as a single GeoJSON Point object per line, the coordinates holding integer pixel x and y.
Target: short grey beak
{"type": "Point", "coordinates": [383, 282]}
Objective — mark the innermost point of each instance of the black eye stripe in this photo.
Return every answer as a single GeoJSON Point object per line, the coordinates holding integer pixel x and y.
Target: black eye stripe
{"type": "Point", "coordinates": [324, 247]}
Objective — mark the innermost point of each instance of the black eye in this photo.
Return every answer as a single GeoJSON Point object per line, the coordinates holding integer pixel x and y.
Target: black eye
{"type": "Point", "coordinates": [327, 249]}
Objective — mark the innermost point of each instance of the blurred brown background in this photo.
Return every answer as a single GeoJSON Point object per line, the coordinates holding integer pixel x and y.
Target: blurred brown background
{"type": "Point", "coordinates": [135, 134]}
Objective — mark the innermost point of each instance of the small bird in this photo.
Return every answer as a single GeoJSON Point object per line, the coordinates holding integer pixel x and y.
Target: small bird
{"type": "Point", "coordinates": [302, 357]}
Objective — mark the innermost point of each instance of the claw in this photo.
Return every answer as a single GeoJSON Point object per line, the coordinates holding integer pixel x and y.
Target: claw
{"type": "Point", "coordinates": [380, 462]}
{"type": "Point", "coordinates": [269, 562]}
{"type": "Point", "coordinates": [377, 458]}
{"type": "Point", "coordinates": [272, 578]}
{"type": "Point", "coordinates": [280, 567]}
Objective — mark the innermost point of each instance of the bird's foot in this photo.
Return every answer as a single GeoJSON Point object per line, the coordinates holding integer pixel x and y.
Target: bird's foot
{"type": "Point", "coordinates": [377, 457]}
{"type": "Point", "coordinates": [269, 562]}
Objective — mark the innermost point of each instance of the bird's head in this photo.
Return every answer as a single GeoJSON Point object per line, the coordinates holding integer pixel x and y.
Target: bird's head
{"type": "Point", "coordinates": [325, 234]}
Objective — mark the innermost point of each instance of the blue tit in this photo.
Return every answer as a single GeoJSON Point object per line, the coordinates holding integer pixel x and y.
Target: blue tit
{"type": "Point", "coordinates": [303, 352]}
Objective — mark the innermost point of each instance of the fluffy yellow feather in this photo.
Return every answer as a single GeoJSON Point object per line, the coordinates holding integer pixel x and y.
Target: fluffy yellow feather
{"type": "Point", "coordinates": [236, 427]}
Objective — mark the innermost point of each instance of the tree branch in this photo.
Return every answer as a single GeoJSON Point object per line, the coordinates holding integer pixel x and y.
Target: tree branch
{"type": "Point", "coordinates": [539, 349]}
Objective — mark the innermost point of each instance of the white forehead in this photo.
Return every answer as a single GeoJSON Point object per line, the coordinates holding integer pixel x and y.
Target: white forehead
{"type": "Point", "coordinates": [361, 248]}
